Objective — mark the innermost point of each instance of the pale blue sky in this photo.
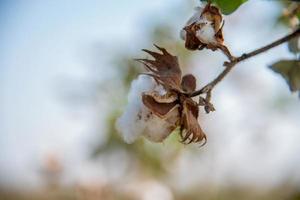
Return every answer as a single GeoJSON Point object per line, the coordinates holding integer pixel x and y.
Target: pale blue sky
{"type": "Point", "coordinates": [42, 42]}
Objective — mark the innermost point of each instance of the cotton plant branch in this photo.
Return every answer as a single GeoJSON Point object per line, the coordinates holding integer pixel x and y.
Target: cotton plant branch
{"type": "Point", "coordinates": [162, 100]}
{"type": "Point", "coordinates": [207, 89]}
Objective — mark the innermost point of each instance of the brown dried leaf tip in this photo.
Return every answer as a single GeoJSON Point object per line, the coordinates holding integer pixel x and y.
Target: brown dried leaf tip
{"type": "Point", "coordinates": [204, 30]}
{"type": "Point", "coordinates": [166, 72]}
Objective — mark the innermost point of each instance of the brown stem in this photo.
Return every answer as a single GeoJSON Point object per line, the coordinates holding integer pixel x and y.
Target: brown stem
{"type": "Point", "coordinates": [229, 65]}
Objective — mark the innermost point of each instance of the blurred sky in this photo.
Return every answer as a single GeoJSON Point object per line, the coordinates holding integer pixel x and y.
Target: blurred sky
{"type": "Point", "coordinates": [41, 42]}
{"type": "Point", "coordinates": [44, 41]}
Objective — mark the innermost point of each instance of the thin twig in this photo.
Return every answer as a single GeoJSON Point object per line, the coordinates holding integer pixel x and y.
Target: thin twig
{"type": "Point", "coordinates": [229, 65]}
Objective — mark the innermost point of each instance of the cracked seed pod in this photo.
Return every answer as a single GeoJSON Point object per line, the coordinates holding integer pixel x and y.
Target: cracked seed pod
{"type": "Point", "coordinates": [204, 30]}
{"type": "Point", "coordinates": [165, 105]}
{"type": "Point", "coordinates": [188, 83]}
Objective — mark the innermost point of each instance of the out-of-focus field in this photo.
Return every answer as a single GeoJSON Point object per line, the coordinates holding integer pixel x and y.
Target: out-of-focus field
{"type": "Point", "coordinates": [94, 192]}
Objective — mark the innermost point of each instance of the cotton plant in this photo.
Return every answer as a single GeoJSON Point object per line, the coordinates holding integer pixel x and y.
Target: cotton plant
{"type": "Point", "coordinates": [161, 99]}
{"type": "Point", "coordinates": [157, 103]}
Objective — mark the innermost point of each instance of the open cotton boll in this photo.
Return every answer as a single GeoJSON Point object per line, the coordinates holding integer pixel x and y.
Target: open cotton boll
{"type": "Point", "coordinates": [204, 25]}
{"type": "Point", "coordinates": [138, 120]}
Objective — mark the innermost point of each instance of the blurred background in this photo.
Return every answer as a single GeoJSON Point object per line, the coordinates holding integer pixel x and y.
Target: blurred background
{"type": "Point", "coordinates": [65, 71]}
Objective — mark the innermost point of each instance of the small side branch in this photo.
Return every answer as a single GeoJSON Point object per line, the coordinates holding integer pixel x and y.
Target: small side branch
{"type": "Point", "coordinates": [229, 65]}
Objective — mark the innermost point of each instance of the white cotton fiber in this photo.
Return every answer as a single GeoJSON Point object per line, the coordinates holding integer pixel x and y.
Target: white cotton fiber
{"type": "Point", "coordinates": [129, 124]}
{"type": "Point", "coordinates": [207, 33]}
{"type": "Point", "coordinates": [138, 120]}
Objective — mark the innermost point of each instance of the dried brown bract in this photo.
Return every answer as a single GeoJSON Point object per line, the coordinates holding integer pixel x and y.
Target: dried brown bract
{"type": "Point", "coordinates": [190, 128]}
{"type": "Point", "coordinates": [166, 71]}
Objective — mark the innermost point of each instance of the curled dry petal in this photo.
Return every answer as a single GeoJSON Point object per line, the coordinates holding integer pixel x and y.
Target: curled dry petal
{"type": "Point", "coordinates": [159, 109]}
{"type": "Point", "coordinates": [168, 97]}
{"type": "Point", "coordinates": [219, 34]}
{"type": "Point", "coordinates": [164, 69]}
{"type": "Point", "coordinates": [191, 130]}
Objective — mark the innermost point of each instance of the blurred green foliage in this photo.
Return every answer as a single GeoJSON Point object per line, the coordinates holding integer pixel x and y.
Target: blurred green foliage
{"type": "Point", "coordinates": [227, 6]}
{"type": "Point", "coordinates": [290, 14]}
{"type": "Point", "coordinates": [290, 71]}
{"type": "Point", "coordinates": [293, 46]}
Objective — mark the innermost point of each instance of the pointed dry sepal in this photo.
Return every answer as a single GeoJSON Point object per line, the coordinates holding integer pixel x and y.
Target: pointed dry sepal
{"type": "Point", "coordinates": [164, 68]}
{"type": "Point", "coordinates": [190, 128]}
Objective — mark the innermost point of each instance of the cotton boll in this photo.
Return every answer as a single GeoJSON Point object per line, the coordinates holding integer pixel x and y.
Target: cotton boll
{"type": "Point", "coordinates": [138, 120]}
{"type": "Point", "coordinates": [203, 22]}
{"type": "Point", "coordinates": [206, 34]}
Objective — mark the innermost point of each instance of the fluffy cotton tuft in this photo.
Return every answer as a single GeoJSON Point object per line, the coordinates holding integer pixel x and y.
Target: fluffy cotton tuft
{"type": "Point", "coordinates": [138, 120]}
{"type": "Point", "coordinates": [128, 124]}
{"type": "Point", "coordinates": [207, 33]}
